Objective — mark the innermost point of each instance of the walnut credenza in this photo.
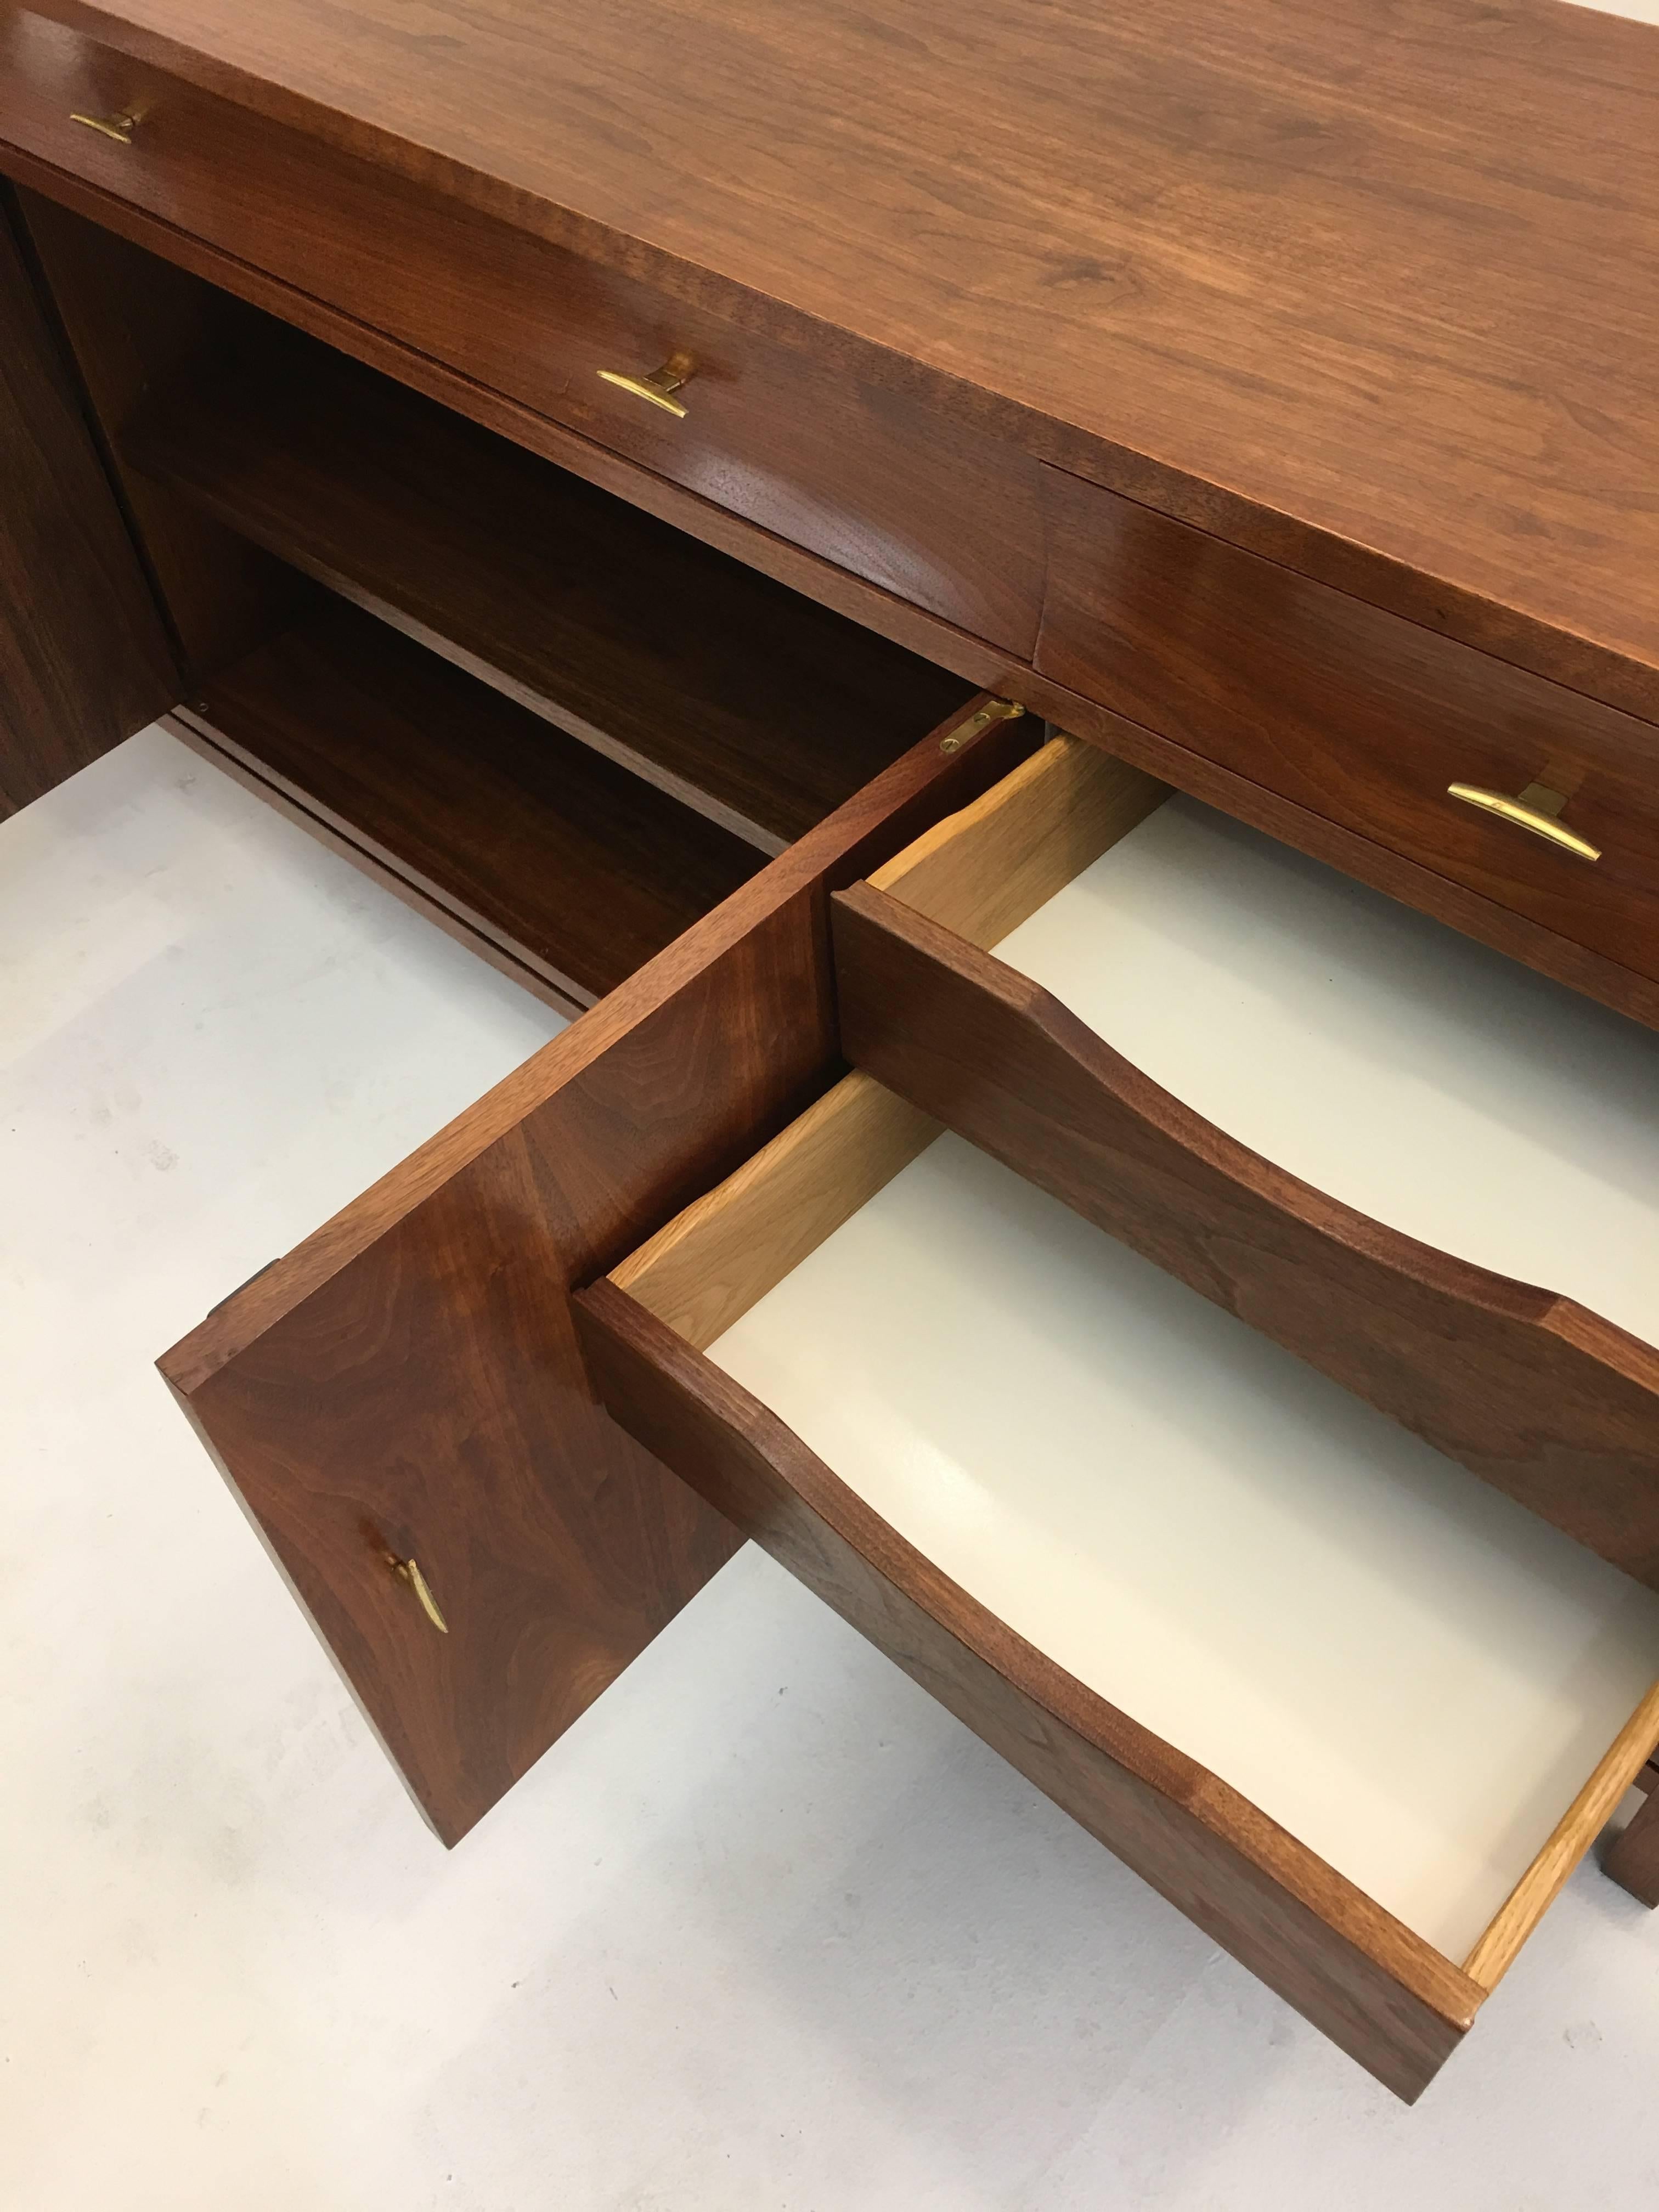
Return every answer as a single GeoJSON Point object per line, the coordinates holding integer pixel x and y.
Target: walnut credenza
{"type": "Point", "coordinates": [739, 513]}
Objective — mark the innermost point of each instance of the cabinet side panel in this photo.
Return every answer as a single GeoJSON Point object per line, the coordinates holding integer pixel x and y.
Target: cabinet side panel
{"type": "Point", "coordinates": [141, 328]}
{"type": "Point", "coordinates": [84, 660]}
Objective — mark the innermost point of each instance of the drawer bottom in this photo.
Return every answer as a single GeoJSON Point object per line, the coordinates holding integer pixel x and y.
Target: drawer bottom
{"type": "Point", "coordinates": [1391, 1660]}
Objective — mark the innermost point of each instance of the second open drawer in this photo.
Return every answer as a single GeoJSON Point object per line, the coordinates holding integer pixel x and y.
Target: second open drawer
{"type": "Point", "coordinates": [1354, 1710]}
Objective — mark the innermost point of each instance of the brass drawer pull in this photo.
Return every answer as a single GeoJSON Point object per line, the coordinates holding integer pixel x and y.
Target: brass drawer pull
{"type": "Point", "coordinates": [119, 127]}
{"type": "Point", "coordinates": [660, 387]}
{"type": "Point", "coordinates": [1535, 808]}
{"type": "Point", "coordinates": [406, 1570]}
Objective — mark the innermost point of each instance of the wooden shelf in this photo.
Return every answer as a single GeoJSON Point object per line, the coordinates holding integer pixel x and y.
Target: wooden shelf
{"type": "Point", "coordinates": [752, 705]}
{"type": "Point", "coordinates": [572, 870]}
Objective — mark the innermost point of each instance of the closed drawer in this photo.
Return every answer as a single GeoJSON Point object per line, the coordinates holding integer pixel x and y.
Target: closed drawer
{"type": "Point", "coordinates": [1358, 716]}
{"type": "Point", "coordinates": [1342, 1703]}
{"type": "Point", "coordinates": [946, 520]}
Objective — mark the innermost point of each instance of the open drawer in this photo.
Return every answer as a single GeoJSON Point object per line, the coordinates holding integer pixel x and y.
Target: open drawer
{"type": "Point", "coordinates": [1352, 1710]}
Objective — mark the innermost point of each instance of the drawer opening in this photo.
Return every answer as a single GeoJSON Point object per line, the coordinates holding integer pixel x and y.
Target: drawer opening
{"type": "Point", "coordinates": [745, 702]}
{"type": "Point", "coordinates": [1437, 1696]}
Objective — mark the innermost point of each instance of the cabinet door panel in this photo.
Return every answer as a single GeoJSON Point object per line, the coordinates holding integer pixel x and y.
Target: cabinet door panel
{"type": "Point", "coordinates": [406, 1383]}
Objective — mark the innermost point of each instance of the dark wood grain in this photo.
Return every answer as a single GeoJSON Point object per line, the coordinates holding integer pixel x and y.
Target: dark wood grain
{"type": "Point", "coordinates": [1384, 1995]}
{"type": "Point", "coordinates": [1609, 979]}
{"type": "Point", "coordinates": [1355, 714]}
{"type": "Point", "coordinates": [878, 608]}
{"type": "Point", "coordinates": [139, 327]}
{"type": "Point", "coordinates": [1389, 869]}
{"type": "Point", "coordinates": [742, 699]}
{"type": "Point", "coordinates": [1369, 290]}
{"type": "Point", "coordinates": [1632, 1858]}
{"type": "Point", "coordinates": [410, 1369]}
{"type": "Point", "coordinates": [938, 513]}
{"type": "Point", "coordinates": [566, 861]}
{"type": "Point", "coordinates": [84, 660]}
{"type": "Point", "coordinates": [1546, 1402]}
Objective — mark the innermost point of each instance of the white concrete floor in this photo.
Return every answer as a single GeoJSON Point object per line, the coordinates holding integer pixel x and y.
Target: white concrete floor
{"type": "Point", "coordinates": [767, 1930]}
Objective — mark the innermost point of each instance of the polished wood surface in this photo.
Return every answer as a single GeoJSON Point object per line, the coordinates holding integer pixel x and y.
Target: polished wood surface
{"type": "Point", "coordinates": [1577, 1830]}
{"type": "Point", "coordinates": [1364, 289]}
{"type": "Point", "coordinates": [412, 1367]}
{"type": "Point", "coordinates": [84, 660]}
{"type": "Point", "coordinates": [942, 514]}
{"type": "Point", "coordinates": [1387, 869]}
{"type": "Point", "coordinates": [1480, 917]}
{"type": "Point", "coordinates": [138, 325]}
{"type": "Point", "coordinates": [1357, 716]}
{"type": "Point", "coordinates": [425, 255]}
{"type": "Point", "coordinates": [569, 863]}
{"type": "Point", "coordinates": [1632, 1858]}
{"type": "Point", "coordinates": [743, 700]}
{"type": "Point", "coordinates": [1549, 1402]}
{"type": "Point", "coordinates": [1378, 1990]}
{"type": "Point", "coordinates": [699, 517]}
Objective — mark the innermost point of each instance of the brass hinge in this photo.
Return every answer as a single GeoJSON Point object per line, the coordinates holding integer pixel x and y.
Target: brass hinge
{"type": "Point", "coordinates": [999, 710]}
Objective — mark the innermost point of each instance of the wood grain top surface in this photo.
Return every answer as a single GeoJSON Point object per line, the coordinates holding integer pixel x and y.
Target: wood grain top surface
{"type": "Point", "coordinates": [1372, 285]}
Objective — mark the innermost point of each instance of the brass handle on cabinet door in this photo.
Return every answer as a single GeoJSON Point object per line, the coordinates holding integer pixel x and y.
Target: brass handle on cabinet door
{"type": "Point", "coordinates": [407, 1571]}
{"type": "Point", "coordinates": [119, 127]}
{"type": "Point", "coordinates": [659, 386]}
{"type": "Point", "coordinates": [1535, 808]}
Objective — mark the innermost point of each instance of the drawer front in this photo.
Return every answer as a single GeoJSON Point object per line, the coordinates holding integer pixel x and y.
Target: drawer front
{"type": "Point", "coordinates": [1358, 716]}
{"type": "Point", "coordinates": [944, 519]}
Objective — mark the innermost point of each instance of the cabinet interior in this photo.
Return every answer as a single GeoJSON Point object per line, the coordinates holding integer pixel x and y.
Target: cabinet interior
{"type": "Point", "coordinates": [561, 727]}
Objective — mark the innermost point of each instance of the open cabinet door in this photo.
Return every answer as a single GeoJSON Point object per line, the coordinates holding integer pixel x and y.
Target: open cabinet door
{"type": "Point", "coordinates": [400, 1403]}
{"type": "Point", "coordinates": [84, 658]}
